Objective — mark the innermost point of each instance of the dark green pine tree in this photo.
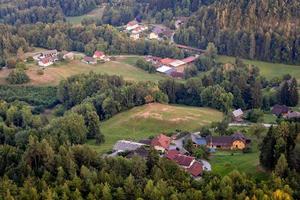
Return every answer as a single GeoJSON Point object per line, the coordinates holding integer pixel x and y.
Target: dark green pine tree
{"type": "Point", "coordinates": [284, 93]}
{"type": "Point", "coordinates": [266, 156]}
{"type": "Point", "coordinates": [293, 93]}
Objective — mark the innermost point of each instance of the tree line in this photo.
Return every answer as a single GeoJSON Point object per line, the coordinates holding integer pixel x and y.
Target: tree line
{"type": "Point", "coordinates": [231, 86]}
{"type": "Point", "coordinates": [47, 11]}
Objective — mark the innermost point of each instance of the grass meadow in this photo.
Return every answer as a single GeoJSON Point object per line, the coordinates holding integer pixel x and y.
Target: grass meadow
{"type": "Point", "coordinates": [267, 69]}
{"type": "Point", "coordinates": [153, 119]}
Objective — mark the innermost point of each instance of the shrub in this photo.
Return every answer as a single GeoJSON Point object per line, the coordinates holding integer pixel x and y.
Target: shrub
{"type": "Point", "coordinates": [18, 76]}
{"type": "Point", "coordinates": [40, 72]}
{"type": "Point", "coordinates": [30, 59]}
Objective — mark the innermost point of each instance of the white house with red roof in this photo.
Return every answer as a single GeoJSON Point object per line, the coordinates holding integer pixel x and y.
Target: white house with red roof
{"type": "Point", "coordinates": [132, 25]}
{"type": "Point", "coordinates": [45, 62]}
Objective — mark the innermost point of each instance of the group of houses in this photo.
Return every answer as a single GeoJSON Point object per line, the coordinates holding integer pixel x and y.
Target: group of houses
{"type": "Point", "coordinates": [160, 32]}
{"type": "Point", "coordinates": [283, 111]}
{"type": "Point", "coordinates": [46, 58]}
{"type": "Point", "coordinates": [135, 29]}
{"type": "Point", "coordinates": [171, 67]}
{"type": "Point", "coordinates": [169, 148]}
{"type": "Point", "coordinates": [98, 56]}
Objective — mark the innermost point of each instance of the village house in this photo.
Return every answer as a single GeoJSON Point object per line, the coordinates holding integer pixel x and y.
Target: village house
{"type": "Point", "coordinates": [161, 142]}
{"type": "Point", "coordinates": [45, 62]}
{"type": "Point", "coordinates": [237, 115]}
{"type": "Point", "coordinates": [132, 25]}
{"type": "Point", "coordinates": [89, 60]}
{"type": "Point", "coordinates": [189, 163]}
{"type": "Point", "coordinates": [100, 55]}
{"type": "Point", "coordinates": [280, 110]}
{"type": "Point", "coordinates": [235, 141]}
{"type": "Point", "coordinates": [166, 61]}
{"type": "Point", "coordinates": [69, 56]}
{"type": "Point", "coordinates": [196, 139]}
{"type": "Point", "coordinates": [47, 58]}
{"type": "Point", "coordinates": [49, 53]}
{"type": "Point", "coordinates": [292, 115]}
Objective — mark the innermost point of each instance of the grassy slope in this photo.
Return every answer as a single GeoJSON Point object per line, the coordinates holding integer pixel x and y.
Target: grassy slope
{"type": "Point", "coordinates": [224, 162]}
{"type": "Point", "coordinates": [95, 14]}
{"type": "Point", "coordinates": [149, 120]}
{"type": "Point", "coordinates": [54, 74]}
{"type": "Point", "coordinates": [270, 70]}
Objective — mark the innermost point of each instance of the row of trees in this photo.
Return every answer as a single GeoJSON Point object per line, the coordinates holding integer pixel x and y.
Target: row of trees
{"type": "Point", "coordinates": [31, 11]}
{"type": "Point", "coordinates": [108, 94]}
{"type": "Point", "coordinates": [246, 29]}
{"type": "Point", "coordinates": [227, 86]}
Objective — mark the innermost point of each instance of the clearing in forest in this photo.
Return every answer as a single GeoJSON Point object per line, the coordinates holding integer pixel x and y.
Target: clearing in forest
{"type": "Point", "coordinates": [152, 119]}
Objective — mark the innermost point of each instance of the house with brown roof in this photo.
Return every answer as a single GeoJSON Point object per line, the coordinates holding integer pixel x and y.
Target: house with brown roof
{"type": "Point", "coordinates": [89, 60]}
{"type": "Point", "coordinates": [189, 163]}
{"type": "Point", "coordinates": [280, 110]}
{"type": "Point", "coordinates": [161, 142]}
{"type": "Point", "coordinates": [166, 61]}
{"type": "Point", "coordinates": [235, 141]}
{"type": "Point", "coordinates": [237, 115]}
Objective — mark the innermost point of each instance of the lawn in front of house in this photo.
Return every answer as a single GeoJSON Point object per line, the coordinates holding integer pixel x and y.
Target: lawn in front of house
{"type": "Point", "coordinates": [153, 119]}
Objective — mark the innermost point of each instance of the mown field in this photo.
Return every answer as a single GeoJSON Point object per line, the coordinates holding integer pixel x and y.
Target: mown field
{"type": "Point", "coordinates": [223, 162]}
{"type": "Point", "coordinates": [55, 73]}
{"type": "Point", "coordinates": [152, 119]}
{"type": "Point", "coordinates": [269, 70]}
{"type": "Point", "coordinates": [94, 14]}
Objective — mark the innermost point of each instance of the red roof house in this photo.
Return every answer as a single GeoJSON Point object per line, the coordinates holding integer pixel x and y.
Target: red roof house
{"type": "Point", "coordinates": [189, 60]}
{"type": "Point", "coordinates": [184, 160]}
{"type": "Point", "coordinates": [99, 55]}
{"type": "Point", "coordinates": [172, 154]}
{"type": "Point", "coordinates": [166, 61]}
{"type": "Point", "coordinates": [161, 142]}
{"type": "Point", "coordinates": [196, 169]}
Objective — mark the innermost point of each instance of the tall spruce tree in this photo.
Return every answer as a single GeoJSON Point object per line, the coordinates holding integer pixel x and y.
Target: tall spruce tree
{"type": "Point", "coordinates": [293, 93]}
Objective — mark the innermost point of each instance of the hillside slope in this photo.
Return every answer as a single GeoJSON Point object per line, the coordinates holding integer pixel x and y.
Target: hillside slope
{"type": "Point", "coordinates": [261, 29]}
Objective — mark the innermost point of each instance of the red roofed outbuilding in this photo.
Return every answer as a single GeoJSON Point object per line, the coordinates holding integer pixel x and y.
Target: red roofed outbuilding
{"type": "Point", "coordinates": [196, 169]}
{"type": "Point", "coordinates": [161, 142]}
{"type": "Point", "coordinates": [172, 154]}
{"type": "Point", "coordinates": [166, 61]}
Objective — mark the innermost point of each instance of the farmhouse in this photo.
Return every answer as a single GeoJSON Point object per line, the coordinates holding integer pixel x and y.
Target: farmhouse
{"type": "Point", "coordinates": [197, 139]}
{"type": "Point", "coordinates": [49, 53]}
{"type": "Point", "coordinates": [132, 25]}
{"type": "Point", "coordinates": [47, 58]}
{"type": "Point", "coordinates": [237, 115]}
{"type": "Point", "coordinates": [279, 110]}
{"type": "Point", "coordinates": [292, 115]}
{"type": "Point", "coordinates": [161, 143]}
{"type": "Point", "coordinates": [166, 61]}
{"type": "Point", "coordinates": [235, 141]}
{"type": "Point", "coordinates": [69, 56]}
{"type": "Point", "coordinates": [89, 60]}
{"type": "Point", "coordinates": [45, 62]}
{"type": "Point", "coordinates": [189, 163]}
